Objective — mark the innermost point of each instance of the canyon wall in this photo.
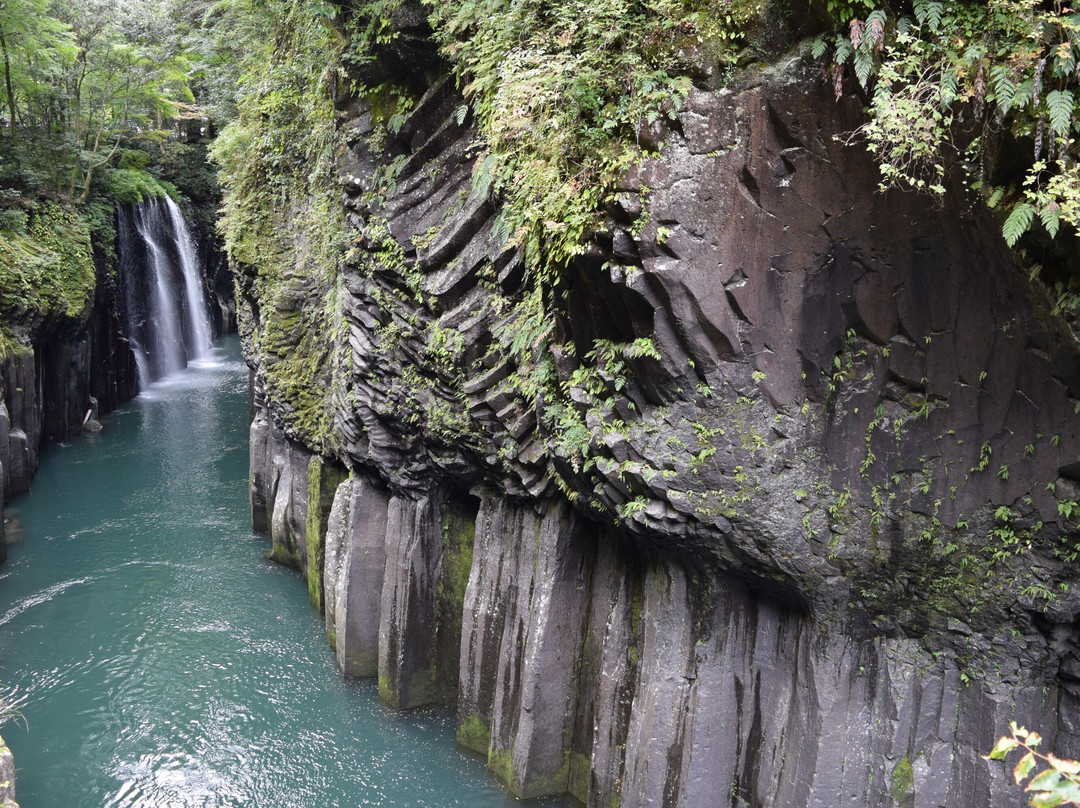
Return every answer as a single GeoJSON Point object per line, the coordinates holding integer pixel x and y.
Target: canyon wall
{"type": "Point", "coordinates": [63, 364]}
{"type": "Point", "coordinates": [767, 500]}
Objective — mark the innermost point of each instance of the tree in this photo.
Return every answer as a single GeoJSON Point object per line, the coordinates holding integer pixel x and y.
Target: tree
{"type": "Point", "coordinates": [30, 42]}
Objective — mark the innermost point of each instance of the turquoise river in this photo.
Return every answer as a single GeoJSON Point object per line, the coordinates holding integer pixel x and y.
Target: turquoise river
{"type": "Point", "coordinates": [161, 661]}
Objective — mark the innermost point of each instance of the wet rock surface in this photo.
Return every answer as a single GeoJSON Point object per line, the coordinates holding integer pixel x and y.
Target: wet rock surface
{"type": "Point", "coordinates": [811, 547]}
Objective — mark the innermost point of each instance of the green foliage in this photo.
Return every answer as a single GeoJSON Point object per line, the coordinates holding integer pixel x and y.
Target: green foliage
{"type": "Point", "coordinates": [47, 266]}
{"type": "Point", "coordinates": [1010, 63]}
{"type": "Point", "coordinates": [80, 79]}
{"type": "Point", "coordinates": [1053, 781]}
{"type": "Point", "coordinates": [843, 11]}
{"type": "Point", "coordinates": [276, 157]}
{"type": "Point", "coordinates": [561, 92]}
{"type": "Point", "coordinates": [132, 185]}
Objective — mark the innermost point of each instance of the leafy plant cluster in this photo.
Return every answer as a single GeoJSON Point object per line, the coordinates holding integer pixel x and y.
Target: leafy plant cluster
{"type": "Point", "coordinates": [1053, 781]}
{"type": "Point", "coordinates": [282, 218]}
{"type": "Point", "coordinates": [950, 80]}
{"type": "Point", "coordinates": [562, 91]}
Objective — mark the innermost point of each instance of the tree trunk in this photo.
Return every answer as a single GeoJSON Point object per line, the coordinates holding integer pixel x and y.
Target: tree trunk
{"type": "Point", "coordinates": [7, 81]}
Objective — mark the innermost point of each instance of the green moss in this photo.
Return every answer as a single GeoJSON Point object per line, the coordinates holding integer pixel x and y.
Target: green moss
{"type": "Point", "coordinates": [458, 535]}
{"type": "Point", "coordinates": [297, 341]}
{"type": "Point", "coordinates": [48, 268]}
{"type": "Point", "coordinates": [474, 733]}
{"type": "Point", "coordinates": [282, 555]}
{"type": "Point", "coordinates": [903, 782]}
{"type": "Point", "coordinates": [501, 764]}
{"type": "Point", "coordinates": [323, 479]}
{"type": "Point", "coordinates": [133, 185]}
{"type": "Point", "coordinates": [580, 769]}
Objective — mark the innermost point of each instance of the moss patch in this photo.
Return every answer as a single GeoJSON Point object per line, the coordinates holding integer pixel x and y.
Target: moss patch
{"type": "Point", "coordinates": [903, 783]}
{"type": "Point", "coordinates": [47, 266]}
{"type": "Point", "coordinates": [458, 535]}
{"type": "Point", "coordinates": [474, 733]}
{"type": "Point", "coordinates": [324, 477]}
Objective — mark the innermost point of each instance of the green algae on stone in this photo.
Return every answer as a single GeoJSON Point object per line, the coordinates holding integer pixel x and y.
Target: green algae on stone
{"type": "Point", "coordinates": [324, 477]}
{"type": "Point", "coordinates": [474, 733]}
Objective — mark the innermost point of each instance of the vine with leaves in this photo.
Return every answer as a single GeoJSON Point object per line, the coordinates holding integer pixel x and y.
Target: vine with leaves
{"type": "Point", "coordinates": [950, 80]}
{"type": "Point", "coordinates": [1053, 781]}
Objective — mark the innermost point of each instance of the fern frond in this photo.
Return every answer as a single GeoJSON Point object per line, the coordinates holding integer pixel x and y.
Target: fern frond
{"type": "Point", "coordinates": [934, 12]}
{"type": "Point", "coordinates": [843, 49]}
{"type": "Point", "coordinates": [1018, 223]}
{"type": "Point", "coordinates": [1050, 216]}
{"type": "Point", "coordinates": [875, 29]}
{"type": "Point", "coordinates": [817, 50]}
{"type": "Point", "coordinates": [1004, 87]}
{"type": "Point", "coordinates": [864, 65]}
{"type": "Point", "coordinates": [995, 197]}
{"type": "Point", "coordinates": [1060, 103]}
{"type": "Point", "coordinates": [948, 89]}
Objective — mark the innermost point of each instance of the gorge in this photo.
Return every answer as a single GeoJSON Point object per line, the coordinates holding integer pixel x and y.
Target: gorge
{"type": "Point", "coordinates": [683, 463]}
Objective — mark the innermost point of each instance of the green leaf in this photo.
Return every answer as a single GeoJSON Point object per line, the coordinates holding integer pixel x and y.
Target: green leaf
{"type": "Point", "coordinates": [1068, 790]}
{"type": "Point", "coordinates": [817, 50]}
{"type": "Point", "coordinates": [1045, 781]}
{"type": "Point", "coordinates": [1068, 767]}
{"type": "Point", "coordinates": [1004, 745]}
{"type": "Point", "coordinates": [1047, 799]}
{"type": "Point", "coordinates": [948, 89]}
{"type": "Point", "coordinates": [1018, 223]}
{"type": "Point", "coordinates": [1024, 767]}
{"type": "Point", "coordinates": [1003, 86]}
{"type": "Point", "coordinates": [864, 64]}
{"type": "Point", "coordinates": [1061, 104]}
{"type": "Point", "coordinates": [1050, 216]}
{"type": "Point", "coordinates": [995, 197]}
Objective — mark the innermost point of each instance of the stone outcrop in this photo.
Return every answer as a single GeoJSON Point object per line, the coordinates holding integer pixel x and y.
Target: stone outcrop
{"type": "Point", "coordinates": [787, 522]}
{"type": "Point", "coordinates": [7, 777]}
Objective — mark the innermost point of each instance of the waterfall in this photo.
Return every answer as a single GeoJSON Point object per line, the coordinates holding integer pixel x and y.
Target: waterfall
{"type": "Point", "coordinates": [165, 306]}
{"type": "Point", "coordinates": [198, 312]}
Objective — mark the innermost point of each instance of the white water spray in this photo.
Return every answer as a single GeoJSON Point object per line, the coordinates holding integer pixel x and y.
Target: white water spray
{"type": "Point", "coordinates": [198, 314]}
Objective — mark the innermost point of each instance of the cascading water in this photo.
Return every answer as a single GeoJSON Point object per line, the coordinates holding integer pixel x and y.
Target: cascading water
{"type": "Point", "coordinates": [198, 314]}
{"type": "Point", "coordinates": [167, 320]}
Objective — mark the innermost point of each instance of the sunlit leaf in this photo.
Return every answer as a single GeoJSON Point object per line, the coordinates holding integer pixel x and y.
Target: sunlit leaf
{"type": "Point", "coordinates": [1024, 767]}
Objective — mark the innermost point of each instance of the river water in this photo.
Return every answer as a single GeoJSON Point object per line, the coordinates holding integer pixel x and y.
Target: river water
{"type": "Point", "coordinates": [163, 662]}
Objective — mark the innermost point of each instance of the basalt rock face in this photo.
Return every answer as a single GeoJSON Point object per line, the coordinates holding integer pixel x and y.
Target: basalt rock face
{"type": "Point", "coordinates": [787, 521]}
{"type": "Point", "coordinates": [67, 370]}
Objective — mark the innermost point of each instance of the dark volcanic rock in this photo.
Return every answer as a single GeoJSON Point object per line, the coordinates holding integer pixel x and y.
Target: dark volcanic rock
{"type": "Point", "coordinates": [796, 539]}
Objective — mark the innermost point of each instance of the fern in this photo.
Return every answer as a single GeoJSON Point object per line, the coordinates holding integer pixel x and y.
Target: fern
{"type": "Point", "coordinates": [864, 65]}
{"type": "Point", "coordinates": [995, 197]}
{"type": "Point", "coordinates": [843, 49]}
{"type": "Point", "coordinates": [1004, 88]}
{"type": "Point", "coordinates": [875, 28]}
{"type": "Point", "coordinates": [817, 50]}
{"type": "Point", "coordinates": [929, 12]}
{"type": "Point", "coordinates": [949, 88]}
{"type": "Point", "coordinates": [1050, 216]}
{"type": "Point", "coordinates": [934, 12]}
{"type": "Point", "coordinates": [1018, 223]}
{"type": "Point", "coordinates": [1060, 103]}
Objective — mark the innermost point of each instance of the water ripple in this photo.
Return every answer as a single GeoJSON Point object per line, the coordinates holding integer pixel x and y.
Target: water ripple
{"type": "Point", "coordinates": [38, 598]}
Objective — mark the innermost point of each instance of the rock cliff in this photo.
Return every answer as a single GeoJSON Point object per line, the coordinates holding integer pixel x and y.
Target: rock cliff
{"type": "Point", "coordinates": [66, 356]}
{"type": "Point", "coordinates": [768, 499]}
